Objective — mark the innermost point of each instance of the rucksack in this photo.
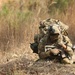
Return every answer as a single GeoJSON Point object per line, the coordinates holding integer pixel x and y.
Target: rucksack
{"type": "Point", "coordinates": [49, 22]}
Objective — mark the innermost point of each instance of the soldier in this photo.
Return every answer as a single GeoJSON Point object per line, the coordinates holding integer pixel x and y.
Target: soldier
{"type": "Point", "coordinates": [62, 45]}
{"type": "Point", "coordinates": [58, 39]}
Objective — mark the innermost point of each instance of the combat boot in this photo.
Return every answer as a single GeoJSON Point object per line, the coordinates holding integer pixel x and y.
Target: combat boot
{"type": "Point", "coordinates": [67, 61]}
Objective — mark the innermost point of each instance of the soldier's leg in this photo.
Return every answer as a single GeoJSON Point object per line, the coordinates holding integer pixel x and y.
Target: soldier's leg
{"type": "Point", "coordinates": [67, 61]}
{"type": "Point", "coordinates": [44, 55]}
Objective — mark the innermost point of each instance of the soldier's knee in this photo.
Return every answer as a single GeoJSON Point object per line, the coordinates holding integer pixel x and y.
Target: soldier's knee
{"type": "Point", "coordinates": [43, 55]}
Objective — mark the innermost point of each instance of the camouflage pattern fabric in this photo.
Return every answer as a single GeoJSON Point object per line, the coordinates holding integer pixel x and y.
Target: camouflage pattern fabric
{"type": "Point", "coordinates": [59, 41]}
{"type": "Point", "coordinates": [45, 24]}
{"type": "Point", "coordinates": [49, 22]}
{"type": "Point", "coordinates": [37, 38]}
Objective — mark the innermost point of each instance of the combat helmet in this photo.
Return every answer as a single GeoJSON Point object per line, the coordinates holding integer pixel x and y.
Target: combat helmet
{"type": "Point", "coordinates": [54, 30]}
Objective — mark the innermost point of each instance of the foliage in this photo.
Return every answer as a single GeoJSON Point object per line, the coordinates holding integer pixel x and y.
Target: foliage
{"type": "Point", "coordinates": [19, 19]}
{"type": "Point", "coordinates": [13, 23]}
{"type": "Point", "coordinates": [60, 6]}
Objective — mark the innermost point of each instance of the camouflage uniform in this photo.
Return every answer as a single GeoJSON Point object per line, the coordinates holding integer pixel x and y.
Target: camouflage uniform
{"type": "Point", "coordinates": [59, 41]}
{"type": "Point", "coordinates": [37, 38]}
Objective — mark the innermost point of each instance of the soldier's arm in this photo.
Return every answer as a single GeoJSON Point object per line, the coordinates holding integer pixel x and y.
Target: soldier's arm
{"type": "Point", "coordinates": [64, 46]}
{"type": "Point", "coordinates": [69, 45]}
{"type": "Point", "coordinates": [61, 42]}
{"type": "Point", "coordinates": [43, 54]}
{"type": "Point", "coordinates": [41, 51]}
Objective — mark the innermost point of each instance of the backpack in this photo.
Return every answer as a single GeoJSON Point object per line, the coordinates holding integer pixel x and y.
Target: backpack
{"type": "Point", "coordinates": [49, 22]}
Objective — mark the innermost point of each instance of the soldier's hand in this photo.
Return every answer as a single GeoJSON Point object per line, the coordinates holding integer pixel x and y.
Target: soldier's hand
{"type": "Point", "coordinates": [64, 46]}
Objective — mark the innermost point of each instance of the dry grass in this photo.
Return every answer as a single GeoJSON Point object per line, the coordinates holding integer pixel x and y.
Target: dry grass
{"type": "Point", "coordinates": [19, 21]}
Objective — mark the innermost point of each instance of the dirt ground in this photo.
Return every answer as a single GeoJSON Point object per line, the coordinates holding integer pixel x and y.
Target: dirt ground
{"type": "Point", "coordinates": [26, 64]}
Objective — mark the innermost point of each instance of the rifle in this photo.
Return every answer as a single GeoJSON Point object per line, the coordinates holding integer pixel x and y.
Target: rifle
{"type": "Point", "coordinates": [49, 47]}
{"type": "Point", "coordinates": [64, 53]}
{"type": "Point", "coordinates": [56, 51]}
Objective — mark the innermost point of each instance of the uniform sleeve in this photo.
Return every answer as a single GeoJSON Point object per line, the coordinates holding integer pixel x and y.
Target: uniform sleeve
{"type": "Point", "coordinates": [60, 40]}
{"type": "Point", "coordinates": [69, 43]}
{"type": "Point", "coordinates": [64, 42]}
{"type": "Point", "coordinates": [41, 50]}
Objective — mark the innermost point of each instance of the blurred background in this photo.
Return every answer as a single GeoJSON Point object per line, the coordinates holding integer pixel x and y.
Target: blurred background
{"type": "Point", "coordinates": [19, 21]}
